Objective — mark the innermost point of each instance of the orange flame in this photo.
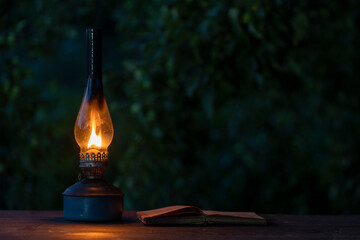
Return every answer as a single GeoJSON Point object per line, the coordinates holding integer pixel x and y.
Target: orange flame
{"type": "Point", "coordinates": [95, 140]}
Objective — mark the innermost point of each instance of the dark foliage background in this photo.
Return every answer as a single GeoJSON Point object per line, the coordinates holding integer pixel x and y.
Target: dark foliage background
{"type": "Point", "coordinates": [232, 105]}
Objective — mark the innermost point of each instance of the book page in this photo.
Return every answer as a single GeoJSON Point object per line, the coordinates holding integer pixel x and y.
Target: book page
{"type": "Point", "coordinates": [233, 214]}
{"type": "Point", "coordinates": [246, 218]}
{"type": "Point", "coordinates": [169, 211]}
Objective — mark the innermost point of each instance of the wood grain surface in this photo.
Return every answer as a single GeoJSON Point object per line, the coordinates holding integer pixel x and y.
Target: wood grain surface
{"type": "Point", "coordinates": [51, 225]}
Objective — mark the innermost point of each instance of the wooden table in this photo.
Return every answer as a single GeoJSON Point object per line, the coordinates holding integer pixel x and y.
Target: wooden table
{"type": "Point", "coordinates": [51, 225]}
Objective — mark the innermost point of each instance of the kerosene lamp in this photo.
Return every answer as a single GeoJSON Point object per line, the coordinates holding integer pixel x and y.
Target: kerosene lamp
{"type": "Point", "coordinates": [92, 198]}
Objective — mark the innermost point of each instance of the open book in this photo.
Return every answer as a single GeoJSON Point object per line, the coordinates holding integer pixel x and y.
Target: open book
{"type": "Point", "coordinates": [194, 215]}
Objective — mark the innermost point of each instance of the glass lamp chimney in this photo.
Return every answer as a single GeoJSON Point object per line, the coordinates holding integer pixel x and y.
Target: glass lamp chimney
{"type": "Point", "coordinates": [93, 128]}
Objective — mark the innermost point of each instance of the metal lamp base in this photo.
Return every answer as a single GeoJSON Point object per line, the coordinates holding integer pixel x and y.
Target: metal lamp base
{"type": "Point", "coordinates": [93, 200]}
